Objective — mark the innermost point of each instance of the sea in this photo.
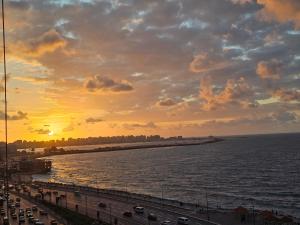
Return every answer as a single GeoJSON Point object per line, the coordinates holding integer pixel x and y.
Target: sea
{"type": "Point", "coordinates": [260, 171]}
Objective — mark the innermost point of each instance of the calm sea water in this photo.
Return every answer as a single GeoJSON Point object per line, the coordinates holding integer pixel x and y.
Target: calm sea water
{"type": "Point", "coordinates": [260, 170]}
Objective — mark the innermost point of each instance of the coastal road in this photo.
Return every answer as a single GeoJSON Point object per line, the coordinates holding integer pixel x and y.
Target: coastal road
{"type": "Point", "coordinates": [115, 207]}
{"type": "Point", "coordinates": [23, 205]}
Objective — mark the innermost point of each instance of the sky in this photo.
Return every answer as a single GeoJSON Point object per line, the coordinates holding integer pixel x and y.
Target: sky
{"type": "Point", "coordinates": [168, 67]}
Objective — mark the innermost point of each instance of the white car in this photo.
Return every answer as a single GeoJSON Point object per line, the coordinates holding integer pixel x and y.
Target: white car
{"type": "Point", "coordinates": [183, 220]}
{"type": "Point", "coordinates": [166, 222]}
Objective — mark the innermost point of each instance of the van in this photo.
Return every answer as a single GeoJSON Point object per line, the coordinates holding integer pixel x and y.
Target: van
{"type": "Point", "coordinates": [183, 220]}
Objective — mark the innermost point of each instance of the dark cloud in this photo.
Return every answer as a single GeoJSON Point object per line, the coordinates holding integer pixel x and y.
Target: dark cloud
{"type": "Point", "coordinates": [107, 84]}
{"type": "Point", "coordinates": [93, 120]}
{"type": "Point", "coordinates": [41, 131]}
{"type": "Point", "coordinates": [149, 125]}
{"type": "Point", "coordinates": [19, 116]}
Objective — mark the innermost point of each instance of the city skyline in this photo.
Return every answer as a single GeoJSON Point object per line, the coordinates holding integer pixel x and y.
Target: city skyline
{"type": "Point", "coordinates": [190, 68]}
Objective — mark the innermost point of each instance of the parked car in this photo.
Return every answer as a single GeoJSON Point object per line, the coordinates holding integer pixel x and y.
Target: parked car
{"type": "Point", "coordinates": [127, 214]}
{"type": "Point", "coordinates": [166, 222]}
{"type": "Point", "coordinates": [139, 209]}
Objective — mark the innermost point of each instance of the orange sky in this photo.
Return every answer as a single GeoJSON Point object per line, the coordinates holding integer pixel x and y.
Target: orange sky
{"type": "Point", "coordinates": [191, 68]}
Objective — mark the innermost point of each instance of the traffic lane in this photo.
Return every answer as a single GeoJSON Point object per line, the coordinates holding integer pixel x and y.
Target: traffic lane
{"type": "Point", "coordinates": [89, 210]}
{"type": "Point", "coordinates": [26, 204]}
{"type": "Point", "coordinates": [118, 207]}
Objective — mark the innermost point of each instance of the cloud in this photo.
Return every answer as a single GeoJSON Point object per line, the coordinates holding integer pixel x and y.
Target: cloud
{"type": "Point", "coordinates": [93, 120]}
{"type": "Point", "coordinates": [269, 69]}
{"type": "Point", "coordinates": [166, 102]}
{"type": "Point", "coordinates": [133, 126]}
{"type": "Point", "coordinates": [204, 62]}
{"type": "Point", "coordinates": [34, 80]}
{"type": "Point", "coordinates": [287, 95]}
{"type": "Point", "coordinates": [19, 116]}
{"type": "Point", "coordinates": [48, 42]}
{"type": "Point", "coordinates": [107, 84]}
{"type": "Point", "coordinates": [282, 11]}
{"type": "Point", "coordinates": [41, 131]}
{"type": "Point", "coordinates": [69, 128]}
{"type": "Point", "coordinates": [235, 92]}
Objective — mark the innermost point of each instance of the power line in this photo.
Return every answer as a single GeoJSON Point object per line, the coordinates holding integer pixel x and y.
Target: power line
{"type": "Point", "coordinates": [5, 107]}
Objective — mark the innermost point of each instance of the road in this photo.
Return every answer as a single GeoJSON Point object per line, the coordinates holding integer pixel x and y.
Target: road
{"type": "Point", "coordinates": [115, 207]}
{"type": "Point", "coordinates": [23, 205]}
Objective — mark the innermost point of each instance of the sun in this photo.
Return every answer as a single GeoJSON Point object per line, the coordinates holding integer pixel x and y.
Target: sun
{"type": "Point", "coordinates": [50, 133]}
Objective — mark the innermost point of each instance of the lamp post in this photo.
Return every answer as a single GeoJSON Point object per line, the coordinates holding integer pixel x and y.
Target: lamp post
{"type": "Point", "coordinates": [207, 205]}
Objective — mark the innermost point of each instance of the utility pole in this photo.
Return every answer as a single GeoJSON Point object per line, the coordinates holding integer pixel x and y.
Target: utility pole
{"type": "Point", "coordinates": [5, 111]}
{"type": "Point", "coordinates": [66, 200]}
{"type": "Point", "coordinates": [207, 206]}
{"type": "Point", "coordinates": [86, 211]}
{"type": "Point", "coordinates": [110, 219]}
{"type": "Point", "coordinates": [162, 196]}
{"type": "Point", "coordinates": [253, 214]}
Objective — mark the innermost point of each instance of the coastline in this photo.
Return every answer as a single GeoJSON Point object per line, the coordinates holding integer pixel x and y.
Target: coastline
{"type": "Point", "coordinates": [61, 151]}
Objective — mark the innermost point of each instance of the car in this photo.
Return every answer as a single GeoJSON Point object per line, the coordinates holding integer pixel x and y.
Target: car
{"type": "Point", "coordinates": [35, 221]}
{"type": "Point", "coordinates": [38, 196]}
{"type": "Point", "coordinates": [39, 223]}
{"type": "Point", "coordinates": [43, 213]}
{"type": "Point", "coordinates": [21, 219]}
{"type": "Point", "coordinates": [53, 222]}
{"type": "Point", "coordinates": [14, 216]}
{"type": "Point", "coordinates": [12, 211]}
{"type": "Point", "coordinates": [183, 220]}
{"type": "Point", "coordinates": [102, 205]}
{"type": "Point", "coordinates": [139, 209]}
{"type": "Point", "coordinates": [152, 217]}
{"type": "Point", "coordinates": [166, 222]}
{"type": "Point", "coordinates": [29, 214]}
{"type": "Point", "coordinates": [2, 212]}
{"type": "Point", "coordinates": [127, 214]}
{"type": "Point", "coordinates": [34, 208]}
{"type": "Point", "coordinates": [17, 204]}
{"type": "Point", "coordinates": [31, 219]}
{"type": "Point", "coordinates": [28, 209]}
{"type": "Point", "coordinates": [5, 221]}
